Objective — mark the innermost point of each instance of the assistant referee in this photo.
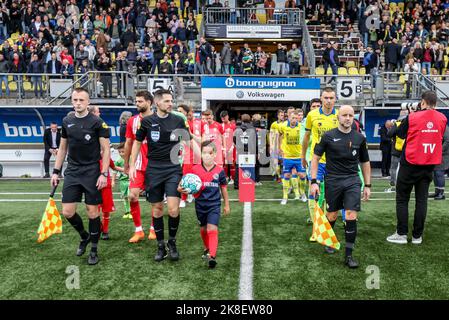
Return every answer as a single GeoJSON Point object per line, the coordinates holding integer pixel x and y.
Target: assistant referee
{"type": "Point", "coordinates": [345, 148]}
{"type": "Point", "coordinates": [162, 130]}
{"type": "Point", "coordinates": [83, 137]}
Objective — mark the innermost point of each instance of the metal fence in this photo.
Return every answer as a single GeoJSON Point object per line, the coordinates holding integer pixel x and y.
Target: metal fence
{"type": "Point", "coordinates": [307, 44]}
{"type": "Point", "coordinates": [244, 16]}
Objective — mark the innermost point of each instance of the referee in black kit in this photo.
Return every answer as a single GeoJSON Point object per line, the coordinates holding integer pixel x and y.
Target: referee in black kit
{"type": "Point", "coordinates": [423, 132]}
{"type": "Point", "coordinates": [345, 149]}
{"type": "Point", "coordinates": [163, 174]}
{"type": "Point", "coordinates": [83, 136]}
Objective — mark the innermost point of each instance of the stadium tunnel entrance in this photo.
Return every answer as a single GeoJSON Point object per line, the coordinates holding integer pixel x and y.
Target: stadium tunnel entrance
{"type": "Point", "coordinates": [267, 109]}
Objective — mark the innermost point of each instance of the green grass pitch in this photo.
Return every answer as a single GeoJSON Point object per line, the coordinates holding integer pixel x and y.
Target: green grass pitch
{"type": "Point", "coordinates": [286, 265]}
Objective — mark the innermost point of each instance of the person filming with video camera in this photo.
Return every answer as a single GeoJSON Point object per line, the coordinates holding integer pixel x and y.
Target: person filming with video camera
{"type": "Point", "coordinates": [423, 130]}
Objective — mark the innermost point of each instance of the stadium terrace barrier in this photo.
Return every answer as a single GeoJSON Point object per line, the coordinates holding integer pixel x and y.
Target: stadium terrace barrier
{"type": "Point", "coordinates": [245, 16]}
{"type": "Point", "coordinates": [307, 44]}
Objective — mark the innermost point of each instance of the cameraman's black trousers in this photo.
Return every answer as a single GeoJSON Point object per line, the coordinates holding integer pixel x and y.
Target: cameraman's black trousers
{"type": "Point", "coordinates": [410, 176]}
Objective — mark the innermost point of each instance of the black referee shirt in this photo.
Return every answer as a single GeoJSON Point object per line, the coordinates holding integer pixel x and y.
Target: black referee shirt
{"type": "Point", "coordinates": [161, 136]}
{"type": "Point", "coordinates": [344, 152]}
{"type": "Point", "coordinates": [83, 138]}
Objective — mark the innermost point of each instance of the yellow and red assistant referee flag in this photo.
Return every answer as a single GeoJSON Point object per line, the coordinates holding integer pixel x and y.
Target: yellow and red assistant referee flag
{"type": "Point", "coordinates": [51, 220]}
{"type": "Point", "coordinates": [323, 231]}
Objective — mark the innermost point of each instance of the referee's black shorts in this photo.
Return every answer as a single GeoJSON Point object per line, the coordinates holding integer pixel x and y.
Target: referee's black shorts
{"type": "Point", "coordinates": [79, 180]}
{"type": "Point", "coordinates": [343, 193]}
{"type": "Point", "coordinates": [162, 180]}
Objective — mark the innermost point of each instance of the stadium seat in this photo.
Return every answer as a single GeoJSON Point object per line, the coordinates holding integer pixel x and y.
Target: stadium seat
{"type": "Point", "coordinates": [27, 86]}
{"type": "Point", "coordinates": [329, 71]}
{"type": "Point", "coordinates": [350, 64]}
{"type": "Point", "coordinates": [446, 60]}
{"type": "Point", "coordinates": [393, 5]}
{"type": "Point", "coordinates": [15, 36]}
{"type": "Point", "coordinates": [362, 71]}
{"type": "Point", "coordinates": [353, 71]}
{"type": "Point", "coordinates": [342, 71]}
{"type": "Point", "coordinates": [401, 6]}
{"type": "Point", "coordinates": [319, 71]}
{"type": "Point", "coordinates": [12, 86]}
{"type": "Point", "coordinates": [402, 79]}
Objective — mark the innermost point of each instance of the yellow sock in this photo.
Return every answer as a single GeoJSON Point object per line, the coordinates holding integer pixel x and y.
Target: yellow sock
{"type": "Point", "coordinates": [285, 187]}
{"type": "Point", "coordinates": [302, 186]}
{"type": "Point", "coordinates": [278, 170]}
{"type": "Point", "coordinates": [311, 205]}
{"type": "Point", "coordinates": [295, 185]}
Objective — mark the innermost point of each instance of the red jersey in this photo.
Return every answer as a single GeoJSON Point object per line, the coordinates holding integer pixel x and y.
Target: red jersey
{"type": "Point", "coordinates": [214, 132]}
{"type": "Point", "coordinates": [228, 140]}
{"type": "Point", "coordinates": [131, 128]}
{"type": "Point", "coordinates": [111, 166]}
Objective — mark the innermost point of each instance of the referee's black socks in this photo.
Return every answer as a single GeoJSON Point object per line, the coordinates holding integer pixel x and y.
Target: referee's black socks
{"type": "Point", "coordinates": [158, 224]}
{"type": "Point", "coordinates": [94, 230]}
{"type": "Point", "coordinates": [77, 224]}
{"type": "Point", "coordinates": [173, 224]}
{"type": "Point", "coordinates": [350, 235]}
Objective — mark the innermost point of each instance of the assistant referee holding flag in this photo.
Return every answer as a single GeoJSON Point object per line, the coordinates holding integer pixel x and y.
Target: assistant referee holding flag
{"type": "Point", "coordinates": [83, 137]}
{"type": "Point", "coordinates": [345, 149]}
{"type": "Point", "coordinates": [423, 132]}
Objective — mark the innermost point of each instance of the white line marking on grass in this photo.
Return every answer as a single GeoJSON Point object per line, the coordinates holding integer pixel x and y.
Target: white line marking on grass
{"type": "Point", "coordinates": [231, 200]}
{"type": "Point", "coordinates": [246, 260]}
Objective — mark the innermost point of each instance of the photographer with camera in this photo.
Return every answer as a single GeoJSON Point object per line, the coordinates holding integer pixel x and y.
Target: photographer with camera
{"type": "Point", "coordinates": [423, 131]}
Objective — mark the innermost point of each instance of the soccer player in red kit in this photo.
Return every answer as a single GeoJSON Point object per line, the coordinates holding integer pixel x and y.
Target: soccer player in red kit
{"type": "Point", "coordinates": [144, 101]}
{"type": "Point", "coordinates": [213, 131]}
{"type": "Point", "coordinates": [230, 152]}
{"type": "Point", "coordinates": [107, 206]}
{"type": "Point", "coordinates": [208, 200]}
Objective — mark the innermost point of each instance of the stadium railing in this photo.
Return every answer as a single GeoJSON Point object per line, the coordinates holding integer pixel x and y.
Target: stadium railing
{"type": "Point", "coordinates": [307, 44]}
{"type": "Point", "coordinates": [244, 16]}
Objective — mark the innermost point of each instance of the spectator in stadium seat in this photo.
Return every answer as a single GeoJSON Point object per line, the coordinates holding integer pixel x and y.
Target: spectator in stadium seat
{"type": "Point", "coordinates": [409, 68]}
{"type": "Point", "coordinates": [166, 66]}
{"type": "Point", "coordinates": [427, 57]}
{"type": "Point", "coordinates": [192, 33]}
{"type": "Point", "coordinates": [179, 68]}
{"type": "Point", "coordinates": [83, 69]}
{"type": "Point", "coordinates": [422, 33]}
{"type": "Point", "coordinates": [54, 67]}
{"type": "Point", "coordinates": [418, 54]}
{"type": "Point", "coordinates": [158, 46]}
{"type": "Point", "coordinates": [127, 37]}
{"type": "Point", "coordinates": [4, 68]}
{"type": "Point", "coordinates": [330, 57]}
{"type": "Point", "coordinates": [140, 25]}
{"type": "Point", "coordinates": [294, 59]}
{"type": "Point", "coordinates": [81, 55]}
{"type": "Point", "coordinates": [104, 65]}
{"type": "Point", "coordinates": [66, 69]}
{"type": "Point", "coordinates": [122, 65]}
{"type": "Point", "coordinates": [36, 66]}
{"type": "Point", "coordinates": [4, 21]}
{"type": "Point", "coordinates": [392, 52]}
{"type": "Point", "coordinates": [131, 54]}
{"type": "Point", "coordinates": [187, 10]}
{"type": "Point", "coordinates": [439, 58]}
{"type": "Point", "coordinates": [281, 58]}
{"type": "Point", "coordinates": [18, 65]}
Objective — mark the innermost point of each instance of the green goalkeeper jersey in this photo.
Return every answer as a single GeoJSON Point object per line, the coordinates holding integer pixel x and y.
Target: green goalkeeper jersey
{"type": "Point", "coordinates": [121, 163]}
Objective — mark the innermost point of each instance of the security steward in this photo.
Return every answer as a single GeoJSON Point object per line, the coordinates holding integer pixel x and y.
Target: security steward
{"type": "Point", "coordinates": [83, 137]}
{"type": "Point", "coordinates": [345, 148]}
{"type": "Point", "coordinates": [423, 132]}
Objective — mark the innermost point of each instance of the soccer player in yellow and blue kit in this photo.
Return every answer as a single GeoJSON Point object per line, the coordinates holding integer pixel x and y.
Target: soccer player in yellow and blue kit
{"type": "Point", "coordinates": [274, 146]}
{"type": "Point", "coordinates": [290, 137]}
{"type": "Point", "coordinates": [318, 122]}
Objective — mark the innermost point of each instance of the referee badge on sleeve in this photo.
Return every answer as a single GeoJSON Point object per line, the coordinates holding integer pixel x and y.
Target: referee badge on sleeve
{"type": "Point", "coordinates": [155, 135]}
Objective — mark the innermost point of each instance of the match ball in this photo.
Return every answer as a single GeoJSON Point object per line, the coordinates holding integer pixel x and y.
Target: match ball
{"type": "Point", "coordinates": [191, 182]}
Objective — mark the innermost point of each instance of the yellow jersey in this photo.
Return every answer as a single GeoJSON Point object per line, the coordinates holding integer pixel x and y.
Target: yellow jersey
{"type": "Point", "coordinates": [291, 140]}
{"type": "Point", "coordinates": [318, 123]}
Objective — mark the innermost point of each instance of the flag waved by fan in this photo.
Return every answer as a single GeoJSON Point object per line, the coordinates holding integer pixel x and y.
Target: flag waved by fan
{"type": "Point", "coordinates": [322, 230]}
{"type": "Point", "coordinates": [51, 220]}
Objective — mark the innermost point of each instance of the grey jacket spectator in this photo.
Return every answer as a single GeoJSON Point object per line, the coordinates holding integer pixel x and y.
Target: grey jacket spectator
{"type": "Point", "coordinates": [226, 55]}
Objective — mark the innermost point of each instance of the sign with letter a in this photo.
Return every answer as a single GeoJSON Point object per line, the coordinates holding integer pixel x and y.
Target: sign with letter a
{"type": "Point", "coordinates": [247, 178]}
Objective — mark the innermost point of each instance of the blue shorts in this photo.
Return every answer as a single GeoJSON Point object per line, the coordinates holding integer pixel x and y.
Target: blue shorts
{"type": "Point", "coordinates": [207, 214]}
{"type": "Point", "coordinates": [320, 174]}
{"type": "Point", "coordinates": [289, 164]}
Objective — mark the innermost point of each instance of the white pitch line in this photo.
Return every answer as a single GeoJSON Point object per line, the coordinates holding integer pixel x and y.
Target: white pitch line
{"type": "Point", "coordinates": [231, 200]}
{"type": "Point", "coordinates": [246, 260]}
